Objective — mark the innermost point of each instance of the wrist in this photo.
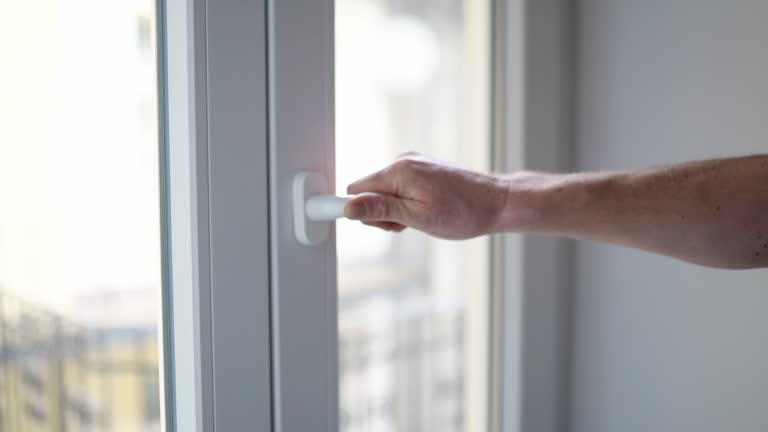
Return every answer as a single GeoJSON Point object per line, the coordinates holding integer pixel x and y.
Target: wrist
{"type": "Point", "coordinates": [524, 206]}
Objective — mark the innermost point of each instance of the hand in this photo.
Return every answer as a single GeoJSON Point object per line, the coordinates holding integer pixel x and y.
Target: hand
{"type": "Point", "coordinates": [438, 199]}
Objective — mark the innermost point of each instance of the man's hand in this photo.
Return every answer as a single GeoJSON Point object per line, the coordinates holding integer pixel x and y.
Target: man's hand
{"type": "Point", "coordinates": [441, 200]}
{"type": "Point", "coordinates": [713, 213]}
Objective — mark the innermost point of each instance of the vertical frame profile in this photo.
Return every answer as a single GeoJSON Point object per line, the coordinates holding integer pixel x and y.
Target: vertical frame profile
{"type": "Point", "coordinates": [533, 123]}
{"type": "Point", "coordinates": [183, 87]}
{"type": "Point", "coordinates": [167, 395]}
{"type": "Point", "coordinates": [305, 350]}
{"type": "Point", "coordinates": [215, 86]}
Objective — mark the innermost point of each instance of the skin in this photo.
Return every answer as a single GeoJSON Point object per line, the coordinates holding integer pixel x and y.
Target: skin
{"type": "Point", "coordinates": [713, 213]}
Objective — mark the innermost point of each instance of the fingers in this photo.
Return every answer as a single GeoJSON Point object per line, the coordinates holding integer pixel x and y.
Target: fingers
{"type": "Point", "coordinates": [386, 226]}
{"type": "Point", "coordinates": [378, 202]}
{"type": "Point", "coordinates": [375, 207]}
{"type": "Point", "coordinates": [383, 181]}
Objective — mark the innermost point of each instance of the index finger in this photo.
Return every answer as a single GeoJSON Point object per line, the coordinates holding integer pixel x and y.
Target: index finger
{"type": "Point", "coordinates": [383, 181]}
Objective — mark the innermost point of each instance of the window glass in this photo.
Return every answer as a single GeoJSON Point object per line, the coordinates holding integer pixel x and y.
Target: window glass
{"type": "Point", "coordinates": [411, 75]}
{"type": "Point", "coordinates": [80, 272]}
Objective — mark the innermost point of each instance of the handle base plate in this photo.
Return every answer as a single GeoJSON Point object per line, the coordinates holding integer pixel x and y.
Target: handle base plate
{"type": "Point", "coordinates": [307, 231]}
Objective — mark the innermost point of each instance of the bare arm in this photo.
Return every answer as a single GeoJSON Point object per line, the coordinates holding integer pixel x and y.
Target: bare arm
{"type": "Point", "coordinates": [713, 213]}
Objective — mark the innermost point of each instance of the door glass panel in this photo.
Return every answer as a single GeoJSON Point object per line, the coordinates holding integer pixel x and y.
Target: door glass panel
{"type": "Point", "coordinates": [80, 260]}
{"type": "Point", "coordinates": [411, 75]}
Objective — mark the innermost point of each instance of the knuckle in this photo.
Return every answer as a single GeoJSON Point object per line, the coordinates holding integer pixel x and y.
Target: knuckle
{"type": "Point", "coordinates": [369, 207]}
{"type": "Point", "coordinates": [382, 208]}
{"type": "Point", "coordinates": [405, 164]}
{"type": "Point", "coordinates": [416, 215]}
{"type": "Point", "coordinates": [400, 165]}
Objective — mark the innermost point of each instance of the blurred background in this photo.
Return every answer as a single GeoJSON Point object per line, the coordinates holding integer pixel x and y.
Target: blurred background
{"type": "Point", "coordinates": [79, 224]}
{"type": "Point", "coordinates": [411, 75]}
{"type": "Point", "coordinates": [79, 220]}
{"type": "Point", "coordinates": [80, 273]}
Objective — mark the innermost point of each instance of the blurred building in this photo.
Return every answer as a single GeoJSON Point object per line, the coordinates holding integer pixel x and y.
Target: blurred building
{"type": "Point", "coordinates": [56, 376]}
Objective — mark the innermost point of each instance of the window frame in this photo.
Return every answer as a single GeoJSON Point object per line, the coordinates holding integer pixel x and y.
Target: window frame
{"type": "Point", "coordinates": [304, 303]}
{"type": "Point", "coordinates": [217, 284]}
{"type": "Point", "coordinates": [532, 304]}
{"type": "Point", "coordinates": [235, 80]}
{"type": "Point", "coordinates": [214, 87]}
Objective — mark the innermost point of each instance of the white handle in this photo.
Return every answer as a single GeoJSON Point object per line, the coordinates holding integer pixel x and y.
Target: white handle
{"type": "Point", "coordinates": [326, 207]}
{"type": "Point", "coordinates": [313, 208]}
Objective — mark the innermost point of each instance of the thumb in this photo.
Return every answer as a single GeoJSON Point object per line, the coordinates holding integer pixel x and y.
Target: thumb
{"type": "Point", "coordinates": [370, 206]}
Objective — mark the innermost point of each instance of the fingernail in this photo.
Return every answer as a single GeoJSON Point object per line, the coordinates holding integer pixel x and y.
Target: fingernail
{"type": "Point", "coordinates": [355, 211]}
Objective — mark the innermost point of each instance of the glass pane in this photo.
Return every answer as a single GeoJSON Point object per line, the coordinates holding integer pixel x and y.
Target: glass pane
{"type": "Point", "coordinates": [411, 75]}
{"type": "Point", "coordinates": [80, 272]}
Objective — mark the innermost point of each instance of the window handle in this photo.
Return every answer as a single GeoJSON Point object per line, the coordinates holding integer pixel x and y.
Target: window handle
{"type": "Point", "coordinates": [326, 207]}
{"type": "Point", "coordinates": [314, 208]}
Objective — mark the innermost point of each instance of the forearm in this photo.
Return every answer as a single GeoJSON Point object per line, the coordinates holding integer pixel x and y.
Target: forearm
{"type": "Point", "coordinates": [713, 213]}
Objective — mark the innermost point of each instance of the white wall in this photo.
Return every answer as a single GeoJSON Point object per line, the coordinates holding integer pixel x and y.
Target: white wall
{"type": "Point", "coordinates": [660, 345]}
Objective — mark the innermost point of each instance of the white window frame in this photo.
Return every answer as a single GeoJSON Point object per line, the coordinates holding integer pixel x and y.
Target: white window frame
{"type": "Point", "coordinates": [252, 335]}
{"type": "Point", "coordinates": [253, 325]}
{"type": "Point", "coordinates": [304, 298]}
{"type": "Point", "coordinates": [216, 117]}
{"type": "Point", "coordinates": [531, 275]}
